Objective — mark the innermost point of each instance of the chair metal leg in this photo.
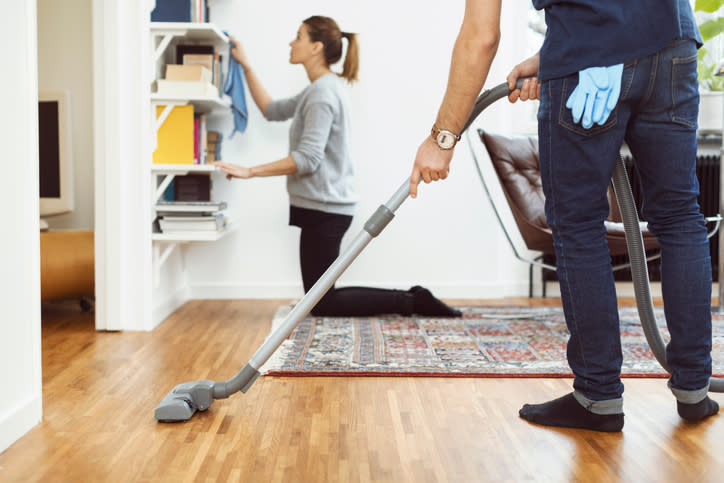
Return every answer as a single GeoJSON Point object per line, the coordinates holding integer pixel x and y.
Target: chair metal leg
{"type": "Point", "coordinates": [530, 277]}
{"type": "Point", "coordinates": [542, 276]}
{"type": "Point", "coordinates": [530, 281]}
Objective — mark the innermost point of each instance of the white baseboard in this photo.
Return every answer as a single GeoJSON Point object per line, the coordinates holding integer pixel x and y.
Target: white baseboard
{"type": "Point", "coordinates": [19, 420]}
{"type": "Point", "coordinates": [166, 307]}
{"type": "Point", "coordinates": [623, 289]}
{"type": "Point", "coordinates": [457, 290]}
{"type": "Point", "coordinates": [245, 291]}
{"type": "Point", "coordinates": [626, 289]}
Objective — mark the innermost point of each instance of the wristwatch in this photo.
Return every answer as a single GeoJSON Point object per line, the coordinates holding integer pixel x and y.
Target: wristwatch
{"type": "Point", "coordinates": [444, 139]}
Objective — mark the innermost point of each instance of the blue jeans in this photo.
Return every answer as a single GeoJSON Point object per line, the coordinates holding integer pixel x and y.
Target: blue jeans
{"type": "Point", "coordinates": [656, 115]}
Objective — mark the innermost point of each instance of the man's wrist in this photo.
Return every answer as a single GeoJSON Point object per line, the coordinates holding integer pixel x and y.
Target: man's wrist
{"type": "Point", "coordinates": [445, 139]}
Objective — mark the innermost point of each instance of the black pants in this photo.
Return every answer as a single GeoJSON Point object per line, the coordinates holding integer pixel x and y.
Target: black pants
{"type": "Point", "coordinates": [319, 245]}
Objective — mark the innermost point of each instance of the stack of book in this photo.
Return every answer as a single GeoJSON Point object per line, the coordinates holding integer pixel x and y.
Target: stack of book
{"type": "Point", "coordinates": [177, 217]}
{"type": "Point", "coordinates": [196, 73]}
{"type": "Point", "coordinates": [213, 146]}
{"type": "Point", "coordinates": [180, 11]}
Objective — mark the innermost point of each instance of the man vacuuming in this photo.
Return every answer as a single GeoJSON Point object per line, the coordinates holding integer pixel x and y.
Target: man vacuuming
{"type": "Point", "coordinates": [607, 72]}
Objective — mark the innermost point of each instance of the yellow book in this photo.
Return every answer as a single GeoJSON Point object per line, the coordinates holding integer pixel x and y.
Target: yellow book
{"type": "Point", "coordinates": [175, 142]}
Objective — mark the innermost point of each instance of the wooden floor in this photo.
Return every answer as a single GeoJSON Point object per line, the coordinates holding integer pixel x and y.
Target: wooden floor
{"type": "Point", "coordinates": [100, 390]}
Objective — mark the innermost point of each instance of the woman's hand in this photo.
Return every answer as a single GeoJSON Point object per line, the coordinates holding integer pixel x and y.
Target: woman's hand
{"type": "Point", "coordinates": [531, 87]}
{"type": "Point", "coordinates": [233, 170]}
{"type": "Point", "coordinates": [238, 53]}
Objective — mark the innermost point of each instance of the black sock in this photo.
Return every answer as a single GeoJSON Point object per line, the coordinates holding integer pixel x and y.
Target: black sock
{"type": "Point", "coordinates": [697, 411]}
{"type": "Point", "coordinates": [425, 303]}
{"type": "Point", "coordinates": [567, 412]}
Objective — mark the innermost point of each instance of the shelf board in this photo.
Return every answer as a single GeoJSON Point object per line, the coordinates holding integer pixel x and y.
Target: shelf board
{"type": "Point", "coordinates": [182, 169]}
{"type": "Point", "coordinates": [193, 236]}
{"type": "Point", "coordinates": [196, 31]}
{"type": "Point", "coordinates": [202, 104]}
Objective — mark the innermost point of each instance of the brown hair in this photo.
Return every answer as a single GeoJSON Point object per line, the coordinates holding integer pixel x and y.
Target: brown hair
{"type": "Point", "coordinates": [326, 30]}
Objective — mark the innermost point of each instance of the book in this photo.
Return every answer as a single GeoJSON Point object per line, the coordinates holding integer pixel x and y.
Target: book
{"type": "Point", "coordinates": [184, 49]}
{"type": "Point", "coordinates": [190, 72]}
{"type": "Point", "coordinates": [168, 194]}
{"type": "Point", "coordinates": [172, 11]}
{"type": "Point", "coordinates": [192, 223]}
{"type": "Point", "coordinates": [192, 187]}
{"type": "Point", "coordinates": [213, 146]}
{"type": "Point", "coordinates": [218, 72]}
{"type": "Point", "coordinates": [202, 139]}
{"type": "Point", "coordinates": [200, 11]}
{"type": "Point", "coordinates": [180, 11]}
{"type": "Point", "coordinates": [175, 137]}
{"type": "Point", "coordinates": [205, 60]}
{"type": "Point", "coordinates": [194, 207]}
{"type": "Point", "coordinates": [197, 124]}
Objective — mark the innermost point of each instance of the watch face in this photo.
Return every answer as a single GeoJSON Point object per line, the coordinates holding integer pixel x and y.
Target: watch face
{"type": "Point", "coordinates": [445, 140]}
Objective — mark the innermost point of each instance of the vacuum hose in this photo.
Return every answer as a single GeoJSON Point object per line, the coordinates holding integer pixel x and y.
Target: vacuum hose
{"type": "Point", "coordinates": [639, 269]}
{"type": "Point", "coordinates": [634, 241]}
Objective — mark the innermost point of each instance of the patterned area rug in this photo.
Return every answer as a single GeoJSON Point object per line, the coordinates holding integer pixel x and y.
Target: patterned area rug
{"type": "Point", "coordinates": [485, 342]}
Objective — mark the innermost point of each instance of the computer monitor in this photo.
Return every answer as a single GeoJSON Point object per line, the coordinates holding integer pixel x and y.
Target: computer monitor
{"type": "Point", "coordinates": [55, 152]}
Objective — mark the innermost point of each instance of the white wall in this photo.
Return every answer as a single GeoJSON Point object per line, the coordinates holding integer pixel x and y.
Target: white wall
{"type": "Point", "coordinates": [121, 107]}
{"type": "Point", "coordinates": [447, 239]}
{"type": "Point", "coordinates": [20, 363]}
{"type": "Point", "coordinates": [65, 63]}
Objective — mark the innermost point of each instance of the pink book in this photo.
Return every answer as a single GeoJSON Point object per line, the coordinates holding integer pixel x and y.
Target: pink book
{"type": "Point", "coordinates": [196, 141]}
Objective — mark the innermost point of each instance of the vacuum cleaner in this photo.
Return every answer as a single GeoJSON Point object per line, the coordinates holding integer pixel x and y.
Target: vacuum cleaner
{"type": "Point", "coordinates": [185, 399]}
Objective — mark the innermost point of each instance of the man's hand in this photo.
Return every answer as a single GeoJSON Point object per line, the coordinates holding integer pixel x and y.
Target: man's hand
{"type": "Point", "coordinates": [531, 87]}
{"type": "Point", "coordinates": [233, 170]}
{"type": "Point", "coordinates": [431, 164]}
{"type": "Point", "coordinates": [473, 52]}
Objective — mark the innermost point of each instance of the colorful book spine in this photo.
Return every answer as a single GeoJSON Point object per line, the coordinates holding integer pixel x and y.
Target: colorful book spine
{"type": "Point", "coordinates": [197, 158]}
{"type": "Point", "coordinates": [175, 137]}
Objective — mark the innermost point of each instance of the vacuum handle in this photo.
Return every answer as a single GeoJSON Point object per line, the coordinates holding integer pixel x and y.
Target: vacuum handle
{"type": "Point", "coordinates": [488, 97]}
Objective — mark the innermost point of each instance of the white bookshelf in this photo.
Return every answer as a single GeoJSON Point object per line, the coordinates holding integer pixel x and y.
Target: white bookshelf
{"type": "Point", "coordinates": [170, 171]}
{"type": "Point", "coordinates": [201, 104]}
{"type": "Point", "coordinates": [194, 236]}
{"type": "Point", "coordinates": [164, 33]}
{"type": "Point", "coordinates": [181, 169]}
{"type": "Point", "coordinates": [165, 36]}
{"type": "Point", "coordinates": [165, 243]}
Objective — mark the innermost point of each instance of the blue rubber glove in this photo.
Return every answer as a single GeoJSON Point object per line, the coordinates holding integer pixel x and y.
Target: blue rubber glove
{"type": "Point", "coordinates": [596, 94]}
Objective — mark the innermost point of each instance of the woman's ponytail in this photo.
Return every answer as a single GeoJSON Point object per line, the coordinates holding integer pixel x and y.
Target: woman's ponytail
{"type": "Point", "coordinates": [351, 60]}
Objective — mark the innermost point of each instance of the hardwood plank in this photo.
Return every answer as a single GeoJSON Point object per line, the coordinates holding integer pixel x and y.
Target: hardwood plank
{"type": "Point", "coordinates": [100, 390]}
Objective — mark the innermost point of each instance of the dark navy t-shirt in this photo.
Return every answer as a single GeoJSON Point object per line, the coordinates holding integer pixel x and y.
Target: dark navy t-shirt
{"type": "Point", "coordinates": [590, 33]}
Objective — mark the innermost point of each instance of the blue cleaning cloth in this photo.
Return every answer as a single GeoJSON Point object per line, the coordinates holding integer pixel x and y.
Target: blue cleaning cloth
{"type": "Point", "coordinates": [234, 87]}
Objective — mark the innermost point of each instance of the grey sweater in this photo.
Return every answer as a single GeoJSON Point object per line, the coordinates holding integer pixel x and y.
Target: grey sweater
{"type": "Point", "coordinates": [319, 145]}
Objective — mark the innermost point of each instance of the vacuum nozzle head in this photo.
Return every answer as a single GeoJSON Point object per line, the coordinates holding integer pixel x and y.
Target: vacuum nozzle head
{"type": "Point", "coordinates": [184, 400]}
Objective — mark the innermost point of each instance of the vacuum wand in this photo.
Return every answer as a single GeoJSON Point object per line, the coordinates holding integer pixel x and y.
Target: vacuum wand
{"type": "Point", "coordinates": [187, 398]}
